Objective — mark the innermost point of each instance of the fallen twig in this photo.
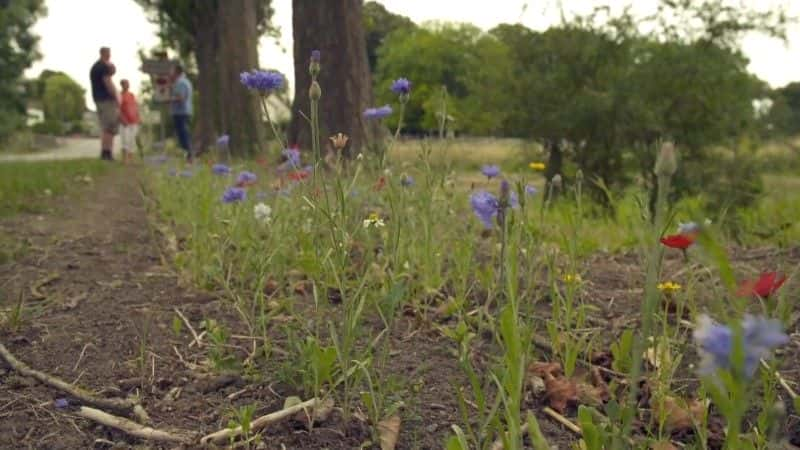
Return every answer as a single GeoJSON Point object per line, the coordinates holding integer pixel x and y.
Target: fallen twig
{"type": "Point", "coordinates": [123, 406]}
{"type": "Point", "coordinates": [223, 436]}
{"type": "Point", "coordinates": [188, 325]}
{"type": "Point", "coordinates": [132, 428]}
{"type": "Point", "coordinates": [562, 420]}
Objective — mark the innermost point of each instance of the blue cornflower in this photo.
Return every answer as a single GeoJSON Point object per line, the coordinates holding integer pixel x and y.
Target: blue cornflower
{"type": "Point", "coordinates": [316, 55]}
{"type": "Point", "coordinates": [186, 173]}
{"type": "Point", "coordinates": [378, 113]}
{"type": "Point", "coordinates": [61, 403]}
{"type": "Point", "coordinates": [490, 171]}
{"type": "Point", "coordinates": [220, 169]}
{"type": "Point", "coordinates": [406, 180]}
{"type": "Point", "coordinates": [263, 81]}
{"type": "Point", "coordinates": [173, 172]}
{"type": "Point", "coordinates": [292, 155]}
{"type": "Point", "coordinates": [715, 343]}
{"type": "Point", "coordinates": [485, 206]}
{"type": "Point", "coordinates": [531, 190]}
{"type": "Point", "coordinates": [223, 141]}
{"type": "Point", "coordinates": [233, 195]}
{"type": "Point", "coordinates": [246, 178]}
{"type": "Point", "coordinates": [401, 86]}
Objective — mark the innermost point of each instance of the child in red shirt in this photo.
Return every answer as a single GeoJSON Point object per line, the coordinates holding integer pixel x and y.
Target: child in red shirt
{"type": "Point", "coordinates": [129, 121]}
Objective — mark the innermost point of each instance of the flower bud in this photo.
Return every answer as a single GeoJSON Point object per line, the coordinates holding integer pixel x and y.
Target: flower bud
{"type": "Point", "coordinates": [666, 163]}
{"type": "Point", "coordinates": [579, 176]}
{"type": "Point", "coordinates": [315, 91]}
{"type": "Point", "coordinates": [556, 181]}
{"type": "Point", "coordinates": [314, 64]}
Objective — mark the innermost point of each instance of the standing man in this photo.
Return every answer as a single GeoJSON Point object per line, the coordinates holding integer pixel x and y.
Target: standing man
{"type": "Point", "coordinates": [129, 121]}
{"type": "Point", "coordinates": [106, 102]}
{"type": "Point", "coordinates": [182, 109]}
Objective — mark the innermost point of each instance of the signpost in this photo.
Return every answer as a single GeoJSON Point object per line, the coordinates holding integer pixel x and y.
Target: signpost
{"type": "Point", "coordinates": [160, 70]}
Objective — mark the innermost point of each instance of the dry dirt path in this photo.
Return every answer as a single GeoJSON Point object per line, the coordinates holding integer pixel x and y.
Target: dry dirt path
{"type": "Point", "coordinates": [99, 310]}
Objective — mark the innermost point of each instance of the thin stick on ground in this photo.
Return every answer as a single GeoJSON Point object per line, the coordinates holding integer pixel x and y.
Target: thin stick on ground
{"type": "Point", "coordinates": [223, 436]}
{"type": "Point", "coordinates": [562, 420]}
{"type": "Point", "coordinates": [123, 406]}
{"type": "Point", "coordinates": [188, 325]}
{"type": "Point", "coordinates": [132, 428]}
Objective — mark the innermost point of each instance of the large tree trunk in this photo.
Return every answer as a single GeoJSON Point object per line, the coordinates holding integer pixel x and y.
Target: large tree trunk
{"type": "Point", "coordinates": [207, 125]}
{"type": "Point", "coordinates": [238, 51]}
{"type": "Point", "coordinates": [334, 27]}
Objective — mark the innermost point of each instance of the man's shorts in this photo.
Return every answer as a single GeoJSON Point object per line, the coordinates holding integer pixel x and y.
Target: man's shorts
{"type": "Point", "coordinates": [108, 116]}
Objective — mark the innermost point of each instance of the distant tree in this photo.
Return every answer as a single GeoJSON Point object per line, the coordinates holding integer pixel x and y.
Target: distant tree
{"type": "Point", "coordinates": [220, 38]}
{"type": "Point", "coordinates": [335, 28]}
{"type": "Point", "coordinates": [63, 99]}
{"type": "Point", "coordinates": [17, 53]}
{"type": "Point", "coordinates": [784, 115]}
{"type": "Point", "coordinates": [454, 57]}
{"type": "Point", "coordinates": [378, 24]}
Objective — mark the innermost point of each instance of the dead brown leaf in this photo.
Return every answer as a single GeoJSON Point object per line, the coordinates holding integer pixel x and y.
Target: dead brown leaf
{"type": "Point", "coordinates": [561, 392]}
{"type": "Point", "coordinates": [595, 394]}
{"type": "Point", "coordinates": [389, 430]}
{"type": "Point", "coordinates": [543, 369]}
{"type": "Point", "coordinates": [681, 415]}
{"type": "Point", "coordinates": [663, 445]}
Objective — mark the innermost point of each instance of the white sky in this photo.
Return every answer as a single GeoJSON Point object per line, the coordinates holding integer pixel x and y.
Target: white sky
{"type": "Point", "coordinates": [71, 35]}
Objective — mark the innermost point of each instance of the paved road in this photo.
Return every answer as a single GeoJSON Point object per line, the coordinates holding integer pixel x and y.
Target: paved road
{"type": "Point", "coordinates": [70, 148]}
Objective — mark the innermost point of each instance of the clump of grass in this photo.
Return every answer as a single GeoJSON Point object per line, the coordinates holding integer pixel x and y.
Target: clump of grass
{"type": "Point", "coordinates": [27, 186]}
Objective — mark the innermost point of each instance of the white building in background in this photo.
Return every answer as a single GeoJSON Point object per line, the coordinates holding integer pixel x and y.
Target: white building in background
{"type": "Point", "coordinates": [35, 115]}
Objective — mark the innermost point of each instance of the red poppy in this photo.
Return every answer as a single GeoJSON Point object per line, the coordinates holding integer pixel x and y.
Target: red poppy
{"type": "Point", "coordinates": [764, 286]}
{"type": "Point", "coordinates": [680, 241]}
{"type": "Point", "coordinates": [298, 175]}
{"type": "Point", "coordinates": [379, 184]}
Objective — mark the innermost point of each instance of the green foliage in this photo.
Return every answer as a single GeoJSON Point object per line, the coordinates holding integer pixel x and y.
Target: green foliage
{"type": "Point", "coordinates": [379, 23]}
{"type": "Point", "coordinates": [63, 99]}
{"type": "Point", "coordinates": [26, 186]}
{"type": "Point", "coordinates": [178, 21]}
{"type": "Point", "coordinates": [453, 56]}
{"type": "Point", "coordinates": [17, 53]}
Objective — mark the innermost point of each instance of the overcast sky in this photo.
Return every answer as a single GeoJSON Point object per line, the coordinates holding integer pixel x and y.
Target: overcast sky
{"type": "Point", "coordinates": [71, 35]}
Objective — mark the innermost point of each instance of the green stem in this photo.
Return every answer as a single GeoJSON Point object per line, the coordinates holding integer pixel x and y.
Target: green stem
{"type": "Point", "coordinates": [650, 303]}
{"type": "Point", "coordinates": [275, 132]}
{"type": "Point", "coordinates": [395, 136]}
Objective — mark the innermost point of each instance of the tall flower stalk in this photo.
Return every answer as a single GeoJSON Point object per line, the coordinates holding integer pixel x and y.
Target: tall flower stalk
{"type": "Point", "coordinates": [314, 94]}
{"type": "Point", "coordinates": [665, 168]}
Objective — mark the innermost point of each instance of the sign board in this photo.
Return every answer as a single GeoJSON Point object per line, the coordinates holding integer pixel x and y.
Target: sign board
{"type": "Point", "coordinates": [159, 71]}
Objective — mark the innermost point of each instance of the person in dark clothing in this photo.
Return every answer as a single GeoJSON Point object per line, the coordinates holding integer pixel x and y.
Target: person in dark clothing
{"type": "Point", "coordinates": [181, 108]}
{"type": "Point", "coordinates": [104, 94]}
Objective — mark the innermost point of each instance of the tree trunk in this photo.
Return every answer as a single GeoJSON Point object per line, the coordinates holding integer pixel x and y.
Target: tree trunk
{"type": "Point", "coordinates": [207, 124]}
{"type": "Point", "coordinates": [238, 51]}
{"type": "Point", "coordinates": [334, 27]}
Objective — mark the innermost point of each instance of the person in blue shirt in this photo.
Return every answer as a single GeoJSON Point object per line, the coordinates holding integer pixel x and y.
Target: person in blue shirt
{"type": "Point", "coordinates": [181, 109]}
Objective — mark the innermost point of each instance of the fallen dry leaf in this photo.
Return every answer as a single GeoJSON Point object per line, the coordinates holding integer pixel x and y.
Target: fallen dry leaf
{"type": "Point", "coordinates": [389, 430]}
{"type": "Point", "coordinates": [543, 369]}
{"type": "Point", "coordinates": [320, 413]}
{"type": "Point", "coordinates": [663, 445]}
{"type": "Point", "coordinates": [561, 392]}
{"type": "Point", "coordinates": [680, 415]}
{"type": "Point", "coordinates": [595, 394]}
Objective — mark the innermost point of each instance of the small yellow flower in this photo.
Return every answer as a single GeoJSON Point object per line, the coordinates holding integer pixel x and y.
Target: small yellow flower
{"type": "Point", "coordinates": [669, 287]}
{"type": "Point", "coordinates": [572, 278]}
{"type": "Point", "coordinates": [373, 220]}
{"type": "Point", "coordinates": [537, 166]}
